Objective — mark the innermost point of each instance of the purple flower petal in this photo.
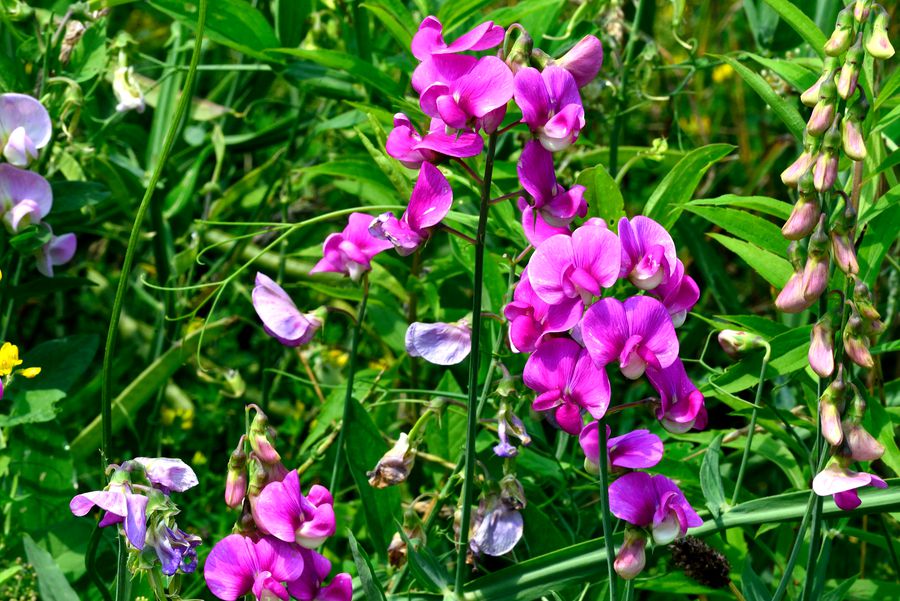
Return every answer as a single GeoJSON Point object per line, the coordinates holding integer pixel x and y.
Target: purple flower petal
{"type": "Point", "coordinates": [278, 508]}
{"type": "Point", "coordinates": [486, 87]}
{"type": "Point", "coordinates": [638, 449]}
{"type": "Point", "coordinates": [231, 567]}
{"type": "Point", "coordinates": [439, 343]}
{"type": "Point", "coordinates": [58, 251]}
{"type": "Point", "coordinates": [29, 120]}
{"type": "Point", "coordinates": [605, 330]}
{"type": "Point", "coordinates": [532, 97]}
{"type": "Point", "coordinates": [18, 186]}
{"type": "Point", "coordinates": [111, 501]}
{"type": "Point", "coordinates": [136, 519]}
{"type": "Point", "coordinates": [431, 199]}
{"type": "Point", "coordinates": [171, 474]}
{"type": "Point", "coordinates": [283, 560]}
{"type": "Point", "coordinates": [280, 316]}
{"type": "Point", "coordinates": [649, 319]}
{"type": "Point", "coordinates": [583, 61]}
{"type": "Point", "coordinates": [632, 498]}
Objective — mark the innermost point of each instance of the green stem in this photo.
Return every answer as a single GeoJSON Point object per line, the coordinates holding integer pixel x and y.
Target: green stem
{"type": "Point", "coordinates": [474, 356]}
{"type": "Point", "coordinates": [751, 428]}
{"type": "Point", "coordinates": [618, 122]}
{"type": "Point", "coordinates": [183, 102]}
{"type": "Point", "coordinates": [122, 576]}
{"type": "Point", "coordinates": [90, 564]}
{"type": "Point", "coordinates": [792, 560]}
{"type": "Point", "coordinates": [814, 533]}
{"type": "Point", "coordinates": [351, 374]}
{"type": "Point", "coordinates": [7, 315]}
{"type": "Point", "coordinates": [604, 508]}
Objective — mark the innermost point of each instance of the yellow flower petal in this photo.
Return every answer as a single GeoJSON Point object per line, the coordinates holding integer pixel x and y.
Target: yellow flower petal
{"type": "Point", "coordinates": [30, 372]}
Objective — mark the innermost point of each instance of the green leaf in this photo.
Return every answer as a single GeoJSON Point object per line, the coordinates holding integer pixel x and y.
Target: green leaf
{"type": "Point", "coordinates": [711, 479]}
{"type": "Point", "coordinates": [880, 235]}
{"type": "Point", "coordinates": [345, 63]}
{"type": "Point", "coordinates": [785, 111]}
{"type": "Point", "coordinates": [234, 23]}
{"type": "Point", "coordinates": [763, 204]}
{"type": "Point", "coordinates": [840, 592]}
{"type": "Point", "coordinates": [879, 424]}
{"type": "Point", "coordinates": [800, 23]}
{"type": "Point", "coordinates": [52, 585]}
{"type": "Point", "coordinates": [795, 74]}
{"type": "Point", "coordinates": [370, 584]}
{"type": "Point", "coordinates": [678, 186]}
{"type": "Point", "coordinates": [291, 18]}
{"type": "Point", "coordinates": [746, 226]}
{"type": "Point", "coordinates": [427, 570]}
{"type": "Point", "coordinates": [602, 194]}
{"type": "Point", "coordinates": [751, 585]}
{"type": "Point", "coordinates": [771, 267]}
{"type": "Point", "coordinates": [395, 17]}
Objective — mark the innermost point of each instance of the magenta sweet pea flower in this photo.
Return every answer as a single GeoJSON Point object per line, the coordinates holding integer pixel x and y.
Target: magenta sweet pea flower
{"type": "Point", "coordinates": [842, 482]}
{"type": "Point", "coordinates": [583, 61]}
{"type": "Point", "coordinates": [637, 333]}
{"type": "Point", "coordinates": [166, 473]}
{"type": "Point", "coordinates": [477, 97]}
{"type": "Point", "coordinates": [442, 63]}
{"type": "Point", "coordinates": [551, 105]}
{"type": "Point", "coordinates": [350, 252]}
{"type": "Point", "coordinates": [552, 208]}
{"type": "Point", "coordinates": [406, 145]}
{"type": "Point", "coordinates": [567, 270]}
{"type": "Point", "coordinates": [635, 450]}
{"type": "Point", "coordinates": [237, 566]}
{"type": "Point", "coordinates": [648, 252]}
{"type": "Point", "coordinates": [25, 197]}
{"type": "Point", "coordinates": [679, 293]}
{"type": "Point", "coordinates": [682, 406]}
{"type": "Point", "coordinates": [567, 381]}
{"type": "Point", "coordinates": [439, 343]}
{"type": "Point", "coordinates": [284, 512]}
{"type": "Point", "coordinates": [122, 506]}
{"type": "Point", "coordinates": [24, 128]}
{"type": "Point", "coordinates": [530, 317]}
{"type": "Point", "coordinates": [280, 316]}
{"type": "Point", "coordinates": [59, 250]}
{"type": "Point", "coordinates": [430, 202]}
{"type": "Point", "coordinates": [653, 502]}
{"type": "Point", "coordinates": [308, 587]}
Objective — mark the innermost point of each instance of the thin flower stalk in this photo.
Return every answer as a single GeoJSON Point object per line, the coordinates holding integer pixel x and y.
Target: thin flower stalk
{"type": "Point", "coordinates": [605, 513]}
{"type": "Point", "coordinates": [752, 427]}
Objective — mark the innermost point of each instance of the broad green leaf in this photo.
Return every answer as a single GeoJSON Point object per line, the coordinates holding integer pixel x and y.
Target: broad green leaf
{"type": "Point", "coordinates": [51, 582]}
{"type": "Point", "coordinates": [370, 584]}
{"type": "Point", "coordinates": [789, 354]}
{"type": "Point", "coordinates": [763, 21]}
{"type": "Point", "coordinates": [345, 63]}
{"type": "Point", "coordinates": [752, 586]}
{"type": "Point", "coordinates": [763, 204]}
{"type": "Point", "coordinates": [880, 235]}
{"type": "Point", "coordinates": [771, 267]}
{"type": "Point", "coordinates": [678, 186]}
{"type": "Point", "coordinates": [785, 111]}
{"type": "Point", "coordinates": [291, 17]}
{"type": "Point", "coordinates": [801, 23]}
{"type": "Point", "coordinates": [746, 226]}
{"type": "Point", "coordinates": [72, 196]}
{"type": "Point", "coordinates": [395, 17]}
{"type": "Point", "coordinates": [840, 592]}
{"type": "Point", "coordinates": [234, 23]}
{"type": "Point", "coordinates": [792, 72]}
{"type": "Point", "coordinates": [427, 570]}
{"type": "Point", "coordinates": [602, 195]}
{"type": "Point", "coordinates": [711, 479]}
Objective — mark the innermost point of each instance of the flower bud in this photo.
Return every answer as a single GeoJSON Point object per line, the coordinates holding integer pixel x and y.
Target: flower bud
{"type": "Point", "coordinates": [841, 36]}
{"type": "Point", "coordinates": [631, 558]}
{"type": "Point", "coordinates": [811, 95]}
{"type": "Point", "coordinates": [846, 85]}
{"type": "Point", "coordinates": [236, 479]}
{"type": "Point", "coordinates": [792, 175]}
{"type": "Point", "coordinates": [823, 112]}
{"type": "Point", "coordinates": [803, 219]}
{"type": "Point", "coordinates": [821, 348]}
{"type": "Point", "coordinates": [842, 245]}
{"type": "Point", "coordinates": [583, 61]}
{"type": "Point", "coordinates": [518, 53]}
{"type": "Point", "coordinates": [261, 436]}
{"type": "Point", "coordinates": [735, 342]}
{"type": "Point", "coordinates": [879, 45]}
{"type": "Point", "coordinates": [508, 423]}
{"type": "Point", "coordinates": [852, 139]}
{"type": "Point", "coordinates": [859, 445]}
{"type": "Point", "coordinates": [791, 298]}
{"type": "Point", "coordinates": [856, 345]}
{"type": "Point", "coordinates": [861, 10]}
{"type": "Point", "coordinates": [826, 167]}
{"type": "Point", "coordinates": [815, 272]}
{"type": "Point", "coordinates": [862, 299]}
{"type": "Point", "coordinates": [393, 468]}
{"type": "Point", "coordinates": [830, 406]}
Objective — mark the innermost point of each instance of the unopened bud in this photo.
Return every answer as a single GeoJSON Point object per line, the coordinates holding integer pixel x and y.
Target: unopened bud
{"type": "Point", "coordinates": [861, 10]}
{"type": "Point", "coordinates": [791, 298]}
{"type": "Point", "coordinates": [811, 95]}
{"type": "Point", "coordinates": [841, 36]}
{"type": "Point", "coordinates": [826, 167]}
{"type": "Point", "coordinates": [393, 468]}
{"type": "Point", "coordinates": [856, 345]}
{"type": "Point", "coordinates": [631, 558]}
{"type": "Point", "coordinates": [815, 272]}
{"type": "Point", "coordinates": [879, 45]}
{"type": "Point", "coordinates": [583, 61]}
{"type": "Point", "coordinates": [830, 406]}
{"type": "Point", "coordinates": [852, 140]}
{"type": "Point", "coordinates": [821, 349]}
{"type": "Point", "coordinates": [846, 85]}
{"type": "Point", "coordinates": [862, 299]}
{"type": "Point", "coordinates": [801, 166]}
{"type": "Point", "coordinates": [803, 219]}
{"type": "Point", "coordinates": [261, 436]}
{"type": "Point", "coordinates": [823, 113]}
{"type": "Point", "coordinates": [844, 252]}
{"type": "Point", "coordinates": [518, 53]}
{"type": "Point", "coordinates": [236, 479]}
{"type": "Point", "coordinates": [735, 342]}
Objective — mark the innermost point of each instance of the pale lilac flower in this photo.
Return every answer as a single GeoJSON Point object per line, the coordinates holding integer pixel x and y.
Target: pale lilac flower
{"type": "Point", "coordinates": [648, 252]}
{"type": "Point", "coordinates": [122, 506]}
{"type": "Point", "coordinates": [652, 502]}
{"type": "Point", "coordinates": [308, 587]}
{"type": "Point", "coordinates": [551, 105]}
{"type": "Point", "coordinates": [553, 207]}
{"type": "Point", "coordinates": [167, 474]}
{"type": "Point", "coordinates": [24, 128]}
{"type": "Point", "coordinates": [25, 197]}
{"type": "Point", "coordinates": [567, 270]}
{"type": "Point", "coordinates": [350, 252]}
{"type": "Point", "coordinates": [498, 526]}
{"type": "Point", "coordinates": [284, 512]}
{"type": "Point", "coordinates": [842, 482]}
{"type": "Point", "coordinates": [682, 406]}
{"type": "Point", "coordinates": [631, 558]}
{"type": "Point", "coordinates": [637, 449]}
{"type": "Point", "coordinates": [439, 343]}
{"type": "Point", "coordinates": [280, 316]}
{"type": "Point", "coordinates": [583, 60]}
{"type": "Point", "coordinates": [637, 333]}
{"type": "Point", "coordinates": [406, 145]}
{"type": "Point", "coordinates": [237, 566]}
{"type": "Point", "coordinates": [176, 549]}
{"type": "Point", "coordinates": [530, 317]}
{"type": "Point", "coordinates": [567, 381]}
{"type": "Point", "coordinates": [429, 204]}
{"type": "Point", "coordinates": [59, 250]}
{"type": "Point", "coordinates": [678, 293]}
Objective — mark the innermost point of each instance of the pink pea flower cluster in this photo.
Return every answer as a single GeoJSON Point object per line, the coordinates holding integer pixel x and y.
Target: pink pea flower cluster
{"type": "Point", "coordinates": [271, 554]}
{"type": "Point", "coordinates": [25, 196]}
{"type": "Point", "coordinates": [138, 498]}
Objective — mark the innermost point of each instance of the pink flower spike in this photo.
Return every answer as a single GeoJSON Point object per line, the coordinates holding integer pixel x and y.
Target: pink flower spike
{"type": "Point", "coordinates": [439, 343]}
{"type": "Point", "coordinates": [406, 145]}
{"type": "Point", "coordinates": [577, 267]}
{"type": "Point", "coordinates": [237, 566]}
{"type": "Point", "coordinates": [655, 502]}
{"type": "Point", "coordinates": [550, 104]}
{"type": "Point", "coordinates": [682, 406]}
{"type": "Point", "coordinates": [648, 252]}
{"type": "Point", "coordinates": [25, 197]}
{"type": "Point", "coordinates": [430, 203]}
{"type": "Point", "coordinates": [637, 333]}
{"type": "Point", "coordinates": [280, 316]}
{"type": "Point", "coordinates": [25, 128]}
{"type": "Point", "coordinates": [350, 252]}
{"type": "Point", "coordinates": [842, 482]}
{"type": "Point", "coordinates": [282, 511]}
{"type": "Point", "coordinates": [530, 318]}
{"type": "Point", "coordinates": [566, 380]}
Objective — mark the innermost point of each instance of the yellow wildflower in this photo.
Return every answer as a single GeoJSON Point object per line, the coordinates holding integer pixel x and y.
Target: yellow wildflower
{"type": "Point", "coordinates": [9, 358]}
{"type": "Point", "coordinates": [30, 372]}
